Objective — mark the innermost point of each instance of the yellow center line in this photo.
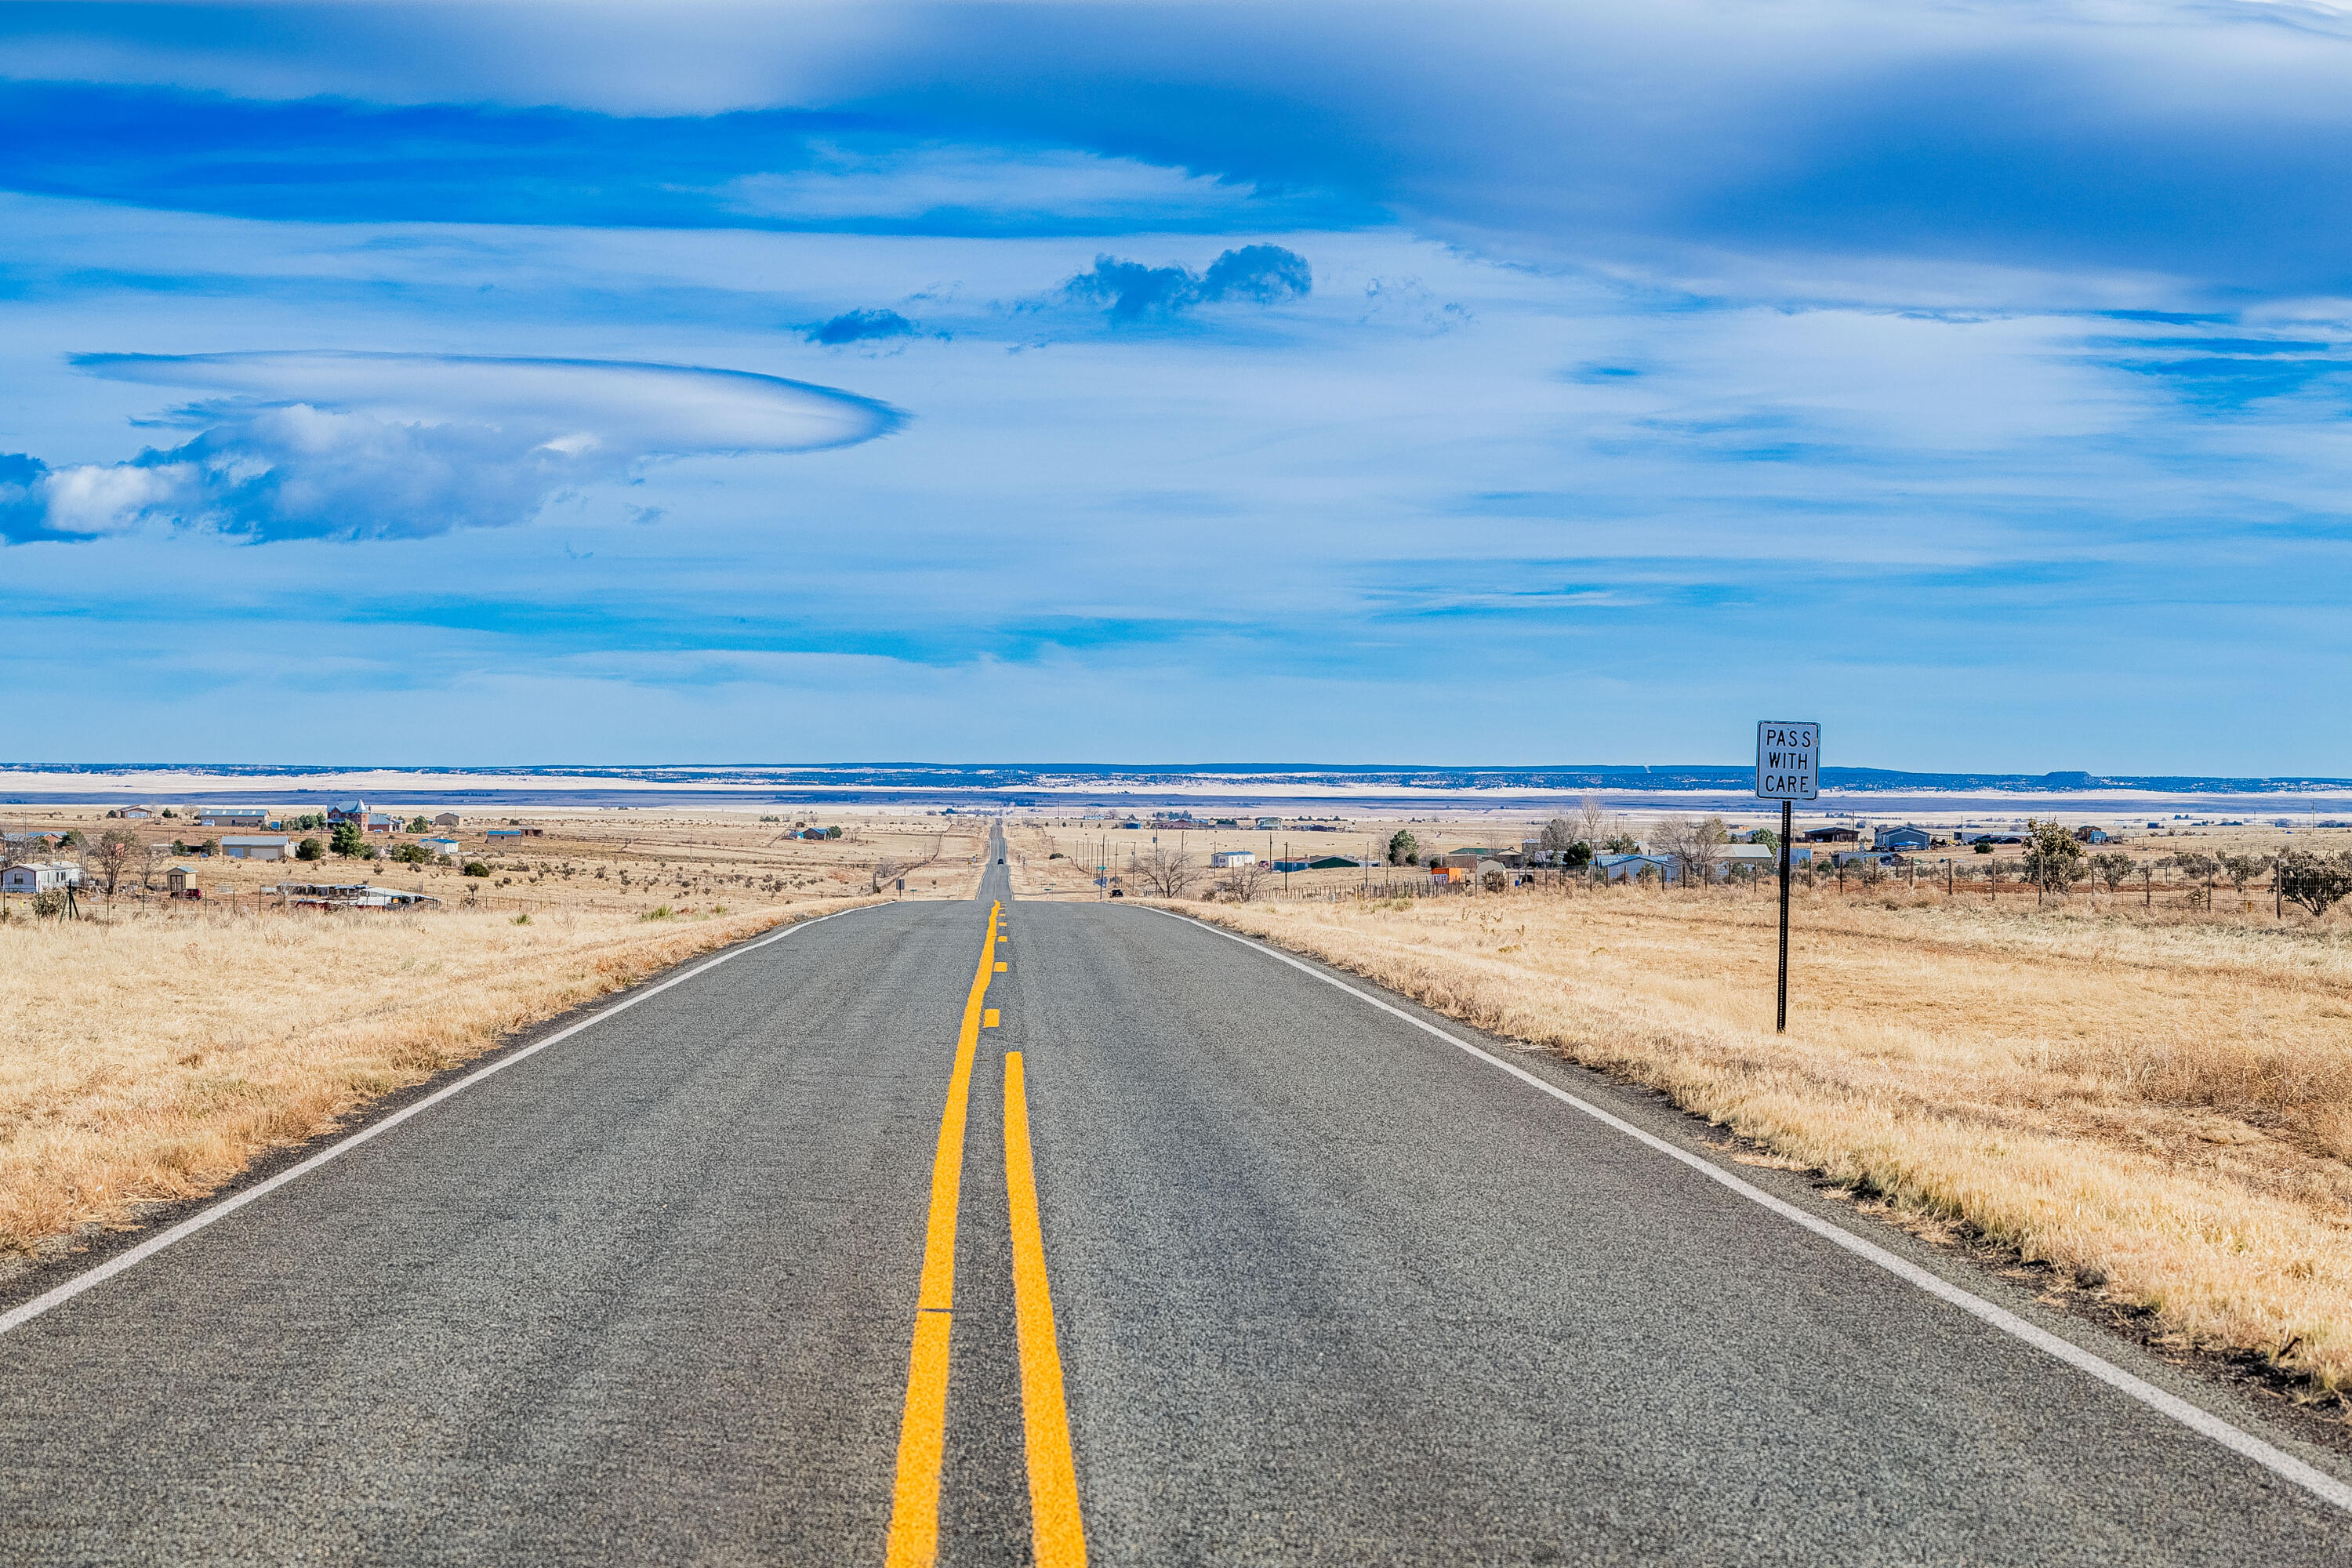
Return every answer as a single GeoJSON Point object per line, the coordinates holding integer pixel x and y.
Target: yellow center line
{"type": "Point", "coordinates": [1056, 1534]}
{"type": "Point", "coordinates": [922, 1430]}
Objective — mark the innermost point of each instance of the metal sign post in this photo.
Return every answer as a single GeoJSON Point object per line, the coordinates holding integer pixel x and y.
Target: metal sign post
{"type": "Point", "coordinates": [1788, 769]}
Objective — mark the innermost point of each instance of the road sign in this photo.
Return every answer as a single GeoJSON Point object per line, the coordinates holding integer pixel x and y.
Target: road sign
{"type": "Point", "coordinates": [1787, 767]}
{"type": "Point", "coordinates": [1787, 759]}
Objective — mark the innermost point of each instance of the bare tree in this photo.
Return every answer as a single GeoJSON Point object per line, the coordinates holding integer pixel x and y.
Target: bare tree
{"type": "Point", "coordinates": [1591, 819]}
{"type": "Point", "coordinates": [110, 856]}
{"type": "Point", "coordinates": [1559, 832]}
{"type": "Point", "coordinates": [1694, 843]}
{"type": "Point", "coordinates": [1245, 881]}
{"type": "Point", "coordinates": [888, 869]}
{"type": "Point", "coordinates": [1167, 872]}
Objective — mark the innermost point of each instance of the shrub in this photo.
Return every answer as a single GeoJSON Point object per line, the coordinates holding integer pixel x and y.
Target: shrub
{"type": "Point", "coordinates": [658, 912]}
{"type": "Point", "coordinates": [2315, 881]}
{"type": "Point", "coordinates": [523, 919]}
{"type": "Point", "coordinates": [476, 869]}
{"type": "Point", "coordinates": [48, 905]}
{"type": "Point", "coordinates": [309, 850]}
{"type": "Point", "coordinates": [412, 854]}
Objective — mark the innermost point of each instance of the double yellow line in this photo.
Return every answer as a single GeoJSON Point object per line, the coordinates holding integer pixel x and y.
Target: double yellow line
{"type": "Point", "coordinates": [1057, 1537]}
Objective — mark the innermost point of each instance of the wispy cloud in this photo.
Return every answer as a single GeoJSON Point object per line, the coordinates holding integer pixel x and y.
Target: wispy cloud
{"type": "Point", "coordinates": [362, 445]}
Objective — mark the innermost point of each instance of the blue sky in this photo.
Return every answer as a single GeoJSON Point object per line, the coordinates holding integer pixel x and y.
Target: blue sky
{"type": "Point", "coordinates": [1135, 382]}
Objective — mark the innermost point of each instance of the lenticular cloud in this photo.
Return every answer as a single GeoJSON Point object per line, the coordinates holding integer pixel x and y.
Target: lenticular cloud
{"type": "Point", "coordinates": [375, 446]}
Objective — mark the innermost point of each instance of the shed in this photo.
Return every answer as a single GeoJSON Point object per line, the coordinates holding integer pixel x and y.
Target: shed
{"type": "Point", "coordinates": [1220, 859]}
{"type": "Point", "coordinates": [1904, 838]}
{"type": "Point", "coordinates": [448, 819]}
{"type": "Point", "coordinates": [252, 847]}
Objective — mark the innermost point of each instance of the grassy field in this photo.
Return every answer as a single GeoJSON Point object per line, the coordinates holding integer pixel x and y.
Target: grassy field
{"type": "Point", "coordinates": [2159, 1105]}
{"type": "Point", "coordinates": [151, 1051]}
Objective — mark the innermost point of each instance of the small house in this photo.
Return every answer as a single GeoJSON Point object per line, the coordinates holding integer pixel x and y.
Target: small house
{"type": "Point", "coordinates": [1224, 859]}
{"type": "Point", "coordinates": [438, 845]}
{"type": "Point", "coordinates": [233, 817]}
{"type": "Point", "coordinates": [175, 884]}
{"type": "Point", "coordinates": [448, 819]}
{"type": "Point", "coordinates": [260, 847]}
{"type": "Point", "coordinates": [1904, 838]}
{"type": "Point", "coordinates": [40, 876]}
{"type": "Point", "coordinates": [136, 813]}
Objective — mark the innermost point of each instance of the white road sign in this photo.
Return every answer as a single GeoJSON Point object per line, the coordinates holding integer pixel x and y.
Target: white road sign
{"type": "Point", "coordinates": [1787, 759]}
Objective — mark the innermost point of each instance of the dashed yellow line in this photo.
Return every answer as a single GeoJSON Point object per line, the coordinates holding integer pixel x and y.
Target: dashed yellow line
{"type": "Point", "coordinates": [922, 1429]}
{"type": "Point", "coordinates": [1056, 1534]}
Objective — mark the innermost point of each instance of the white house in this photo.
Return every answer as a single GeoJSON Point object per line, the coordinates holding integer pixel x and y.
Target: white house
{"type": "Point", "coordinates": [1268, 823]}
{"type": "Point", "coordinates": [257, 846]}
{"type": "Point", "coordinates": [438, 845]}
{"type": "Point", "coordinates": [1221, 859]}
{"type": "Point", "coordinates": [41, 876]}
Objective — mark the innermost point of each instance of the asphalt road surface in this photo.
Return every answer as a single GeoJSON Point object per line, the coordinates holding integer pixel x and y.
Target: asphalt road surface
{"type": "Point", "coordinates": [1323, 1288]}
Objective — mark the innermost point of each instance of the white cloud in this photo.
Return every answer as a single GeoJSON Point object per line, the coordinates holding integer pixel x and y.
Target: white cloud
{"type": "Point", "coordinates": [352, 445]}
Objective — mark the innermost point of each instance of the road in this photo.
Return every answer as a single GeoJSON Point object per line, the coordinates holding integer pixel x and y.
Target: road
{"type": "Point", "coordinates": [1323, 1288]}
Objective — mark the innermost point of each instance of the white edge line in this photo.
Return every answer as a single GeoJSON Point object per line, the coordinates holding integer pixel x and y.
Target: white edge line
{"type": "Point", "coordinates": [17, 1317]}
{"type": "Point", "coordinates": [2278, 1462]}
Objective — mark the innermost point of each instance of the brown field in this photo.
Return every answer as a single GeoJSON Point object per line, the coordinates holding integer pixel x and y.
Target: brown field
{"type": "Point", "coordinates": [2157, 1103]}
{"type": "Point", "coordinates": [153, 1052]}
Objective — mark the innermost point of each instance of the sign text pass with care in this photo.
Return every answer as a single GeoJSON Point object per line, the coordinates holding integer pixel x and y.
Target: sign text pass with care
{"type": "Point", "coordinates": [1787, 759]}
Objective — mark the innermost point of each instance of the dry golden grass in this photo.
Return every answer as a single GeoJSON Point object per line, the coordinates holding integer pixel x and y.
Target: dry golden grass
{"type": "Point", "coordinates": [2162, 1105]}
{"type": "Point", "coordinates": [152, 1049]}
